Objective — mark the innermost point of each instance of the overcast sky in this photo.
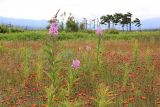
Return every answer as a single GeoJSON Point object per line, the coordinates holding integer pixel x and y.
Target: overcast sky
{"type": "Point", "coordinates": [45, 9]}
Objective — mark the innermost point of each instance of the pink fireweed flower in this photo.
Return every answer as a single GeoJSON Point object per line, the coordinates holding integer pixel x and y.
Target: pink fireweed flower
{"type": "Point", "coordinates": [75, 64]}
{"type": "Point", "coordinates": [99, 32]}
{"type": "Point", "coordinates": [54, 29]}
{"type": "Point", "coordinates": [88, 48]}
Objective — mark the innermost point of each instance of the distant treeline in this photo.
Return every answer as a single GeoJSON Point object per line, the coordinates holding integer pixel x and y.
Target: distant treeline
{"type": "Point", "coordinates": [111, 20]}
{"type": "Point", "coordinates": [125, 20]}
{"type": "Point", "coordinates": [10, 28]}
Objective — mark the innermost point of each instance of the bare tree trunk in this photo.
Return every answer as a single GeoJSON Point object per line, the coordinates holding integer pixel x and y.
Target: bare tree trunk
{"type": "Point", "coordinates": [112, 25]}
{"type": "Point", "coordinates": [86, 24]}
{"type": "Point", "coordinates": [127, 26]}
{"type": "Point", "coordinates": [130, 25]}
{"type": "Point", "coordinates": [90, 24]}
{"type": "Point", "coordinates": [109, 25]}
{"type": "Point", "coordinates": [139, 28]}
{"type": "Point", "coordinates": [94, 25]}
{"type": "Point", "coordinates": [97, 23]}
{"type": "Point", "coordinates": [123, 27]}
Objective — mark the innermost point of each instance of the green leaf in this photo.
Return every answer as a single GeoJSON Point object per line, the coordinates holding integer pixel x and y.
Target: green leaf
{"type": "Point", "coordinates": [56, 62]}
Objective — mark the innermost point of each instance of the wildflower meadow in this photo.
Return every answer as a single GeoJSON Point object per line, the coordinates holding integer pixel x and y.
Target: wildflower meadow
{"type": "Point", "coordinates": [95, 69]}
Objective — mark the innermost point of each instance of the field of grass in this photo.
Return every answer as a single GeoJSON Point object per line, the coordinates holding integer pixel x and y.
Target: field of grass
{"type": "Point", "coordinates": [121, 70]}
{"type": "Point", "coordinates": [41, 35]}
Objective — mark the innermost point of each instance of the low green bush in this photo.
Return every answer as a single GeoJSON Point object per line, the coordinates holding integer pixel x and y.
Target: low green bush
{"type": "Point", "coordinates": [15, 29]}
{"type": "Point", "coordinates": [4, 29]}
{"type": "Point", "coordinates": [10, 28]}
{"type": "Point", "coordinates": [112, 31]}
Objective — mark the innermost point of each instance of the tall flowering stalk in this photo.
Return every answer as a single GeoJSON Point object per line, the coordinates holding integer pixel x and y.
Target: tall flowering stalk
{"type": "Point", "coordinates": [71, 79]}
{"type": "Point", "coordinates": [53, 34]}
{"type": "Point", "coordinates": [99, 33]}
{"type": "Point", "coordinates": [51, 50]}
{"type": "Point", "coordinates": [72, 73]}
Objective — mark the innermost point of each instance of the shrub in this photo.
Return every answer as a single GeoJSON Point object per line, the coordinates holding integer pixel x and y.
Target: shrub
{"type": "Point", "coordinates": [71, 25]}
{"type": "Point", "coordinates": [15, 29]}
{"type": "Point", "coordinates": [10, 28]}
{"type": "Point", "coordinates": [82, 26]}
{"type": "Point", "coordinates": [113, 31]}
{"type": "Point", "coordinates": [4, 29]}
{"type": "Point", "coordinates": [89, 31]}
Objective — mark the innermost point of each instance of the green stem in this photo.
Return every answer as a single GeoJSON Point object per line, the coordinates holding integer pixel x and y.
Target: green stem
{"type": "Point", "coordinates": [98, 48]}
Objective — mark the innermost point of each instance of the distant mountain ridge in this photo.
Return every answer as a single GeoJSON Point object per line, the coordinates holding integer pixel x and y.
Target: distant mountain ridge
{"type": "Point", "coordinates": [25, 23]}
{"type": "Point", "coordinates": [153, 23]}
